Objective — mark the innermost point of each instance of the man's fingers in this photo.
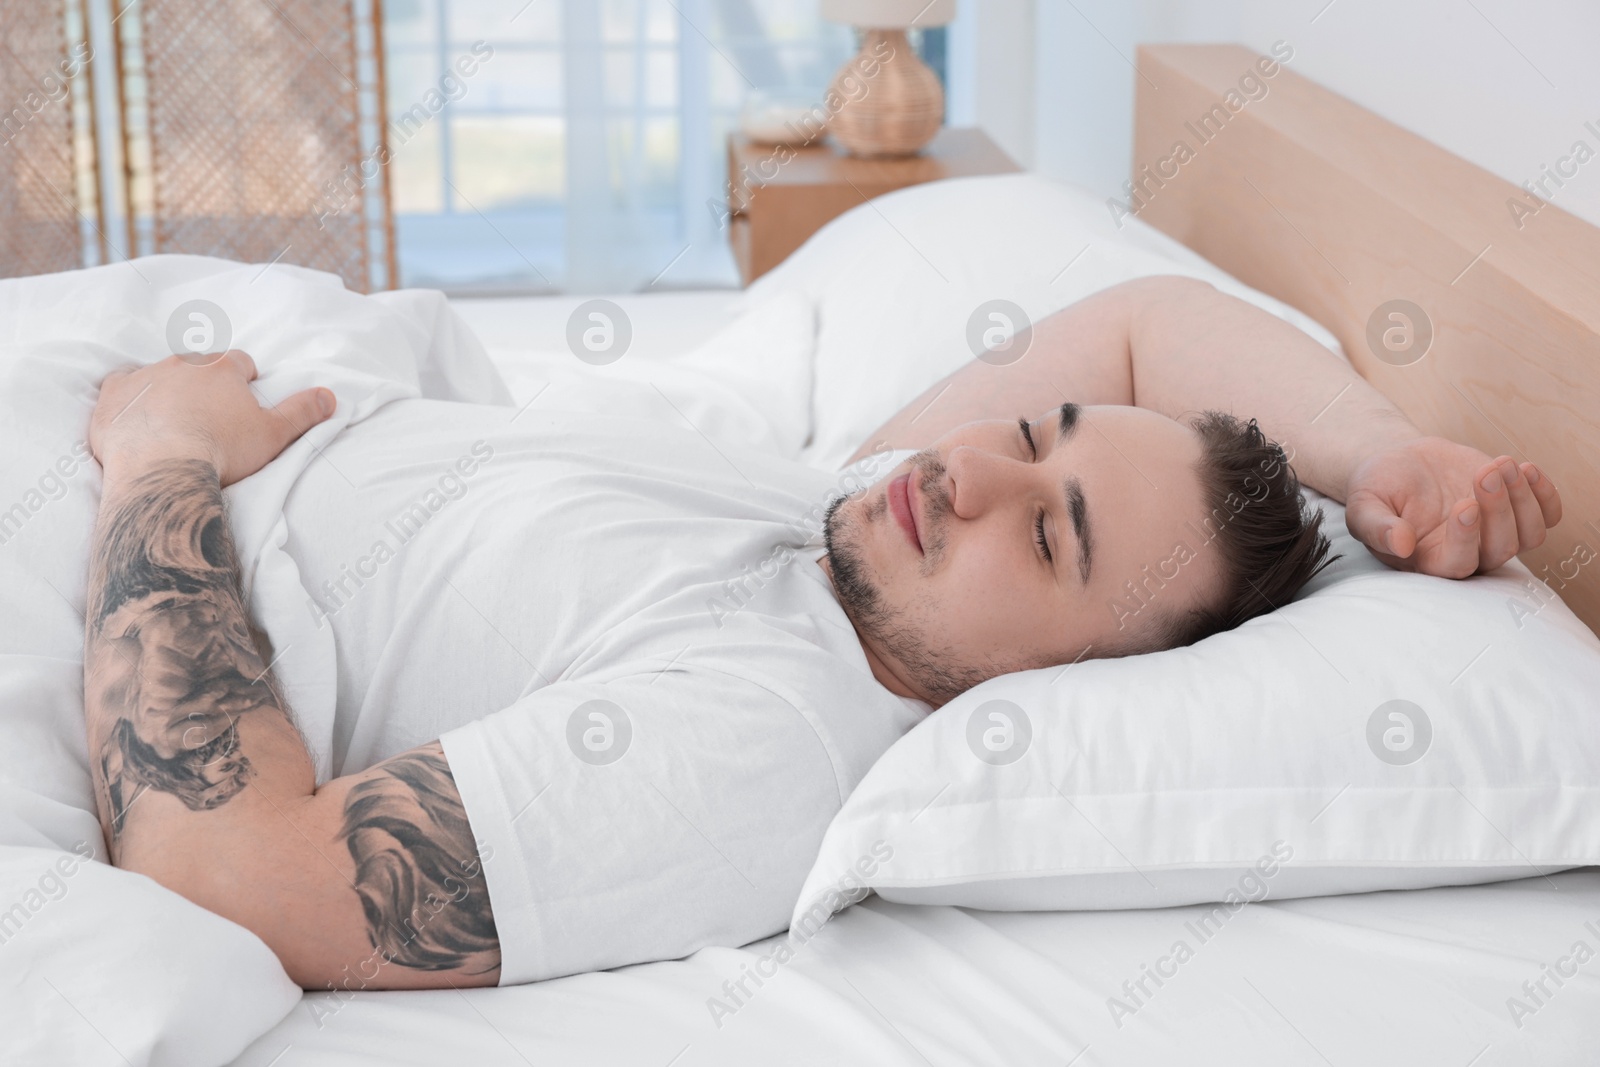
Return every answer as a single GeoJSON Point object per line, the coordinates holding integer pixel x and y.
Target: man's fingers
{"type": "Point", "coordinates": [1373, 522]}
{"type": "Point", "coordinates": [1399, 539]}
{"type": "Point", "coordinates": [1497, 528]}
{"type": "Point", "coordinates": [302, 411]}
{"type": "Point", "coordinates": [1457, 555]}
{"type": "Point", "coordinates": [108, 383]}
{"type": "Point", "coordinates": [1544, 491]}
{"type": "Point", "coordinates": [1525, 507]}
{"type": "Point", "coordinates": [241, 359]}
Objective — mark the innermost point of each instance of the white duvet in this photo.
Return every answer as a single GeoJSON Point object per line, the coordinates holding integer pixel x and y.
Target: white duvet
{"type": "Point", "coordinates": [100, 964]}
{"type": "Point", "coordinates": [97, 964]}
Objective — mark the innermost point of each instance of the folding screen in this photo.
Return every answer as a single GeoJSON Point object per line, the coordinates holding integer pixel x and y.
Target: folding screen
{"type": "Point", "coordinates": [253, 131]}
{"type": "Point", "coordinates": [39, 216]}
{"type": "Point", "coordinates": [246, 129]}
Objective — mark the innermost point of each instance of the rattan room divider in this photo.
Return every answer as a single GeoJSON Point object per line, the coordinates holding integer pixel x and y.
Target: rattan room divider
{"type": "Point", "coordinates": [247, 129]}
{"type": "Point", "coordinates": [39, 212]}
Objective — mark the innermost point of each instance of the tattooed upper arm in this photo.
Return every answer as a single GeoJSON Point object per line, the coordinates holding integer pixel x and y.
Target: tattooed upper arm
{"type": "Point", "coordinates": [373, 882]}
{"type": "Point", "coordinates": [417, 869]}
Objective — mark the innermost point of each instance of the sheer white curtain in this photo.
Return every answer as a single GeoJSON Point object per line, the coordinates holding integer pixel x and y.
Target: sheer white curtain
{"type": "Point", "coordinates": [583, 152]}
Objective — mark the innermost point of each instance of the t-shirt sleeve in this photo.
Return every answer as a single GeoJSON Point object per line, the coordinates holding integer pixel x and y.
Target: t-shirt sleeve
{"type": "Point", "coordinates": [641, 817]}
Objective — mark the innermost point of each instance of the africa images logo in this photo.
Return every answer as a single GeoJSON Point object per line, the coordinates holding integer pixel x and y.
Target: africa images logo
{"type": "Point", "coordinates": [599, 732]}
{"type": "Point", "coordinates": [1399, 733]}
{"type": "Point", "coordinates": [999, 732]}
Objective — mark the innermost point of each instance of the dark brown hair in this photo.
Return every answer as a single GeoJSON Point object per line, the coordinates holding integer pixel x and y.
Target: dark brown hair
{"type": "Point", "coordinates": [1269, 544]}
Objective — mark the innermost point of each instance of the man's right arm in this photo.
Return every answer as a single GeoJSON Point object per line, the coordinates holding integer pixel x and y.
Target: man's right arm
{"type": "Point", "coordinates": [202, 780]}
{"type": "Point", "coordinates": [204, 783]}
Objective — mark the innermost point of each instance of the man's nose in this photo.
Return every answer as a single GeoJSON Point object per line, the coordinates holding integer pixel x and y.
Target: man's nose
{"type": "Point", "coordinates": [980, 479]}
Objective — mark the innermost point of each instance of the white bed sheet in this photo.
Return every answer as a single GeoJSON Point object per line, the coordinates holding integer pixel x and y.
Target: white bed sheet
{"type": "Point", "coordinates": [1409, 978]}
{"type": "Point", "coordinates": [1404, 978]}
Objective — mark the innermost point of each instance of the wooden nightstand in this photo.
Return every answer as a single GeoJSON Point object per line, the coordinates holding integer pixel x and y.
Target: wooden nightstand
{"type": "Point", "coordinates": [780, 196]}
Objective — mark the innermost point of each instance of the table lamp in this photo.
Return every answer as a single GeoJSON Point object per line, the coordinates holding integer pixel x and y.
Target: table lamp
{"type": "Point", "coordinates": [891, 102]}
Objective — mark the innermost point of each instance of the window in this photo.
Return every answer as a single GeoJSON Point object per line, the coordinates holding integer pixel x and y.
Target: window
{"type": "Point", "coordinates": [579, 145]}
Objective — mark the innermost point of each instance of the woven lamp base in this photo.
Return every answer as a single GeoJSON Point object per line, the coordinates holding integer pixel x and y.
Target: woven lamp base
{"type": "Point", "coordinates": [892, 106]}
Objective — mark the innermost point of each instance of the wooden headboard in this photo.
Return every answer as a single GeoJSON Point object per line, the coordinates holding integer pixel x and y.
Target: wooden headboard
{"type": "Point", "coordinates": [1324, 205]}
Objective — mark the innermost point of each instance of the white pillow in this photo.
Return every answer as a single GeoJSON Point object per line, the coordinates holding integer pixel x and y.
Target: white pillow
{"type": "Point", "coordinates": [762, 360]}
{"type": "Point", "coordinates": [1267, 760]}
{"type": "Point", "coordinates": [747, 386]}
{"type": "Point", "coordinates": [104, 966]}
{"type": "Point", "coordinates": [895, 283]}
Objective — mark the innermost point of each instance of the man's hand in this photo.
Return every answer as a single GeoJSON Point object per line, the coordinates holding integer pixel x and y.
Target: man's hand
{"type": "Point", "coordinates": [1442, 508]}
{"type": "Point", "coordinates": [198, 407]}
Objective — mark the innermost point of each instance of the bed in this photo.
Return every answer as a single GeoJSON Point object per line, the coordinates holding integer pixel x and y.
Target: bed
{"type": "Point", "coordinates": [1424, 976]}
{"type": "Point", "coordinates": [1421, 976]}
{"type": "Point", "coordinates": [1307, 199]}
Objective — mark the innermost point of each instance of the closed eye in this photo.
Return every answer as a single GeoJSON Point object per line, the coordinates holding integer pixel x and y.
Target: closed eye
{"type": "Point", "coordinates": [1038, 523]}
{"type": "Point", "coordinates": [1027, 435]}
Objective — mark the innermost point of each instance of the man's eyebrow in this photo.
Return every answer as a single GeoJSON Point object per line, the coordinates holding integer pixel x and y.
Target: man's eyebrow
{"type": "Point", "coordinates": [1076, 507]}
{"type": "Point", "coordinates": [1069, 422]}
{"type": "Point", "coordinates": [1079, 510]}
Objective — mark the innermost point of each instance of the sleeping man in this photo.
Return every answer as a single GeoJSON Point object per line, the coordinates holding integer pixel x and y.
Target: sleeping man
{"type": "Point", "coordinates": [602, 683]}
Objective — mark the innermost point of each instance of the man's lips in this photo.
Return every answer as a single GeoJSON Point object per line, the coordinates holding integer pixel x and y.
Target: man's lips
{"type": "Point", "coordinates": [899, 493]}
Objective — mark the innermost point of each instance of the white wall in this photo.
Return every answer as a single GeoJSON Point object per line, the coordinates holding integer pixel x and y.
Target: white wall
{"type": "Point", "coordinates": [992, 73]}
{"type": "Point", "coordinates": [1507, 84]}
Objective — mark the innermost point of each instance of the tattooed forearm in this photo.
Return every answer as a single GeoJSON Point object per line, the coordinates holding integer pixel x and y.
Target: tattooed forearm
{"type": "Point", "coordinates": [417, 870]}
{"type": "Point", "coordinates": [169, 663]}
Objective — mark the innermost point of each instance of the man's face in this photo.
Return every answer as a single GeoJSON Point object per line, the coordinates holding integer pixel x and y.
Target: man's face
{"type": "Point", "coordinates": [1001, 548]}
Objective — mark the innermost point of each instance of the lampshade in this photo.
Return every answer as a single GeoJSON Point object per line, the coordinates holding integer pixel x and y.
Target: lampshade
{"type": "Point", "coordinates": [889, 14]}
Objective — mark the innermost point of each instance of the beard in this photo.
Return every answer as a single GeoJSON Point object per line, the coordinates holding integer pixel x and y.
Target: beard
{"type": "Point", "coordinates": [942, 672]}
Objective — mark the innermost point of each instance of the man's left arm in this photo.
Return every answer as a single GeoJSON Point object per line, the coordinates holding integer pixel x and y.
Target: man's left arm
{"type": "Point", "coordinates": [202, 780]}
{"type": "Point", "coordinates": [1177, 345]}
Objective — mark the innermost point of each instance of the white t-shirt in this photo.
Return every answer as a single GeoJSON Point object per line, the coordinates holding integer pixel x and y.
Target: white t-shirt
{"type": "Point", "coordinates": [487, 580]}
